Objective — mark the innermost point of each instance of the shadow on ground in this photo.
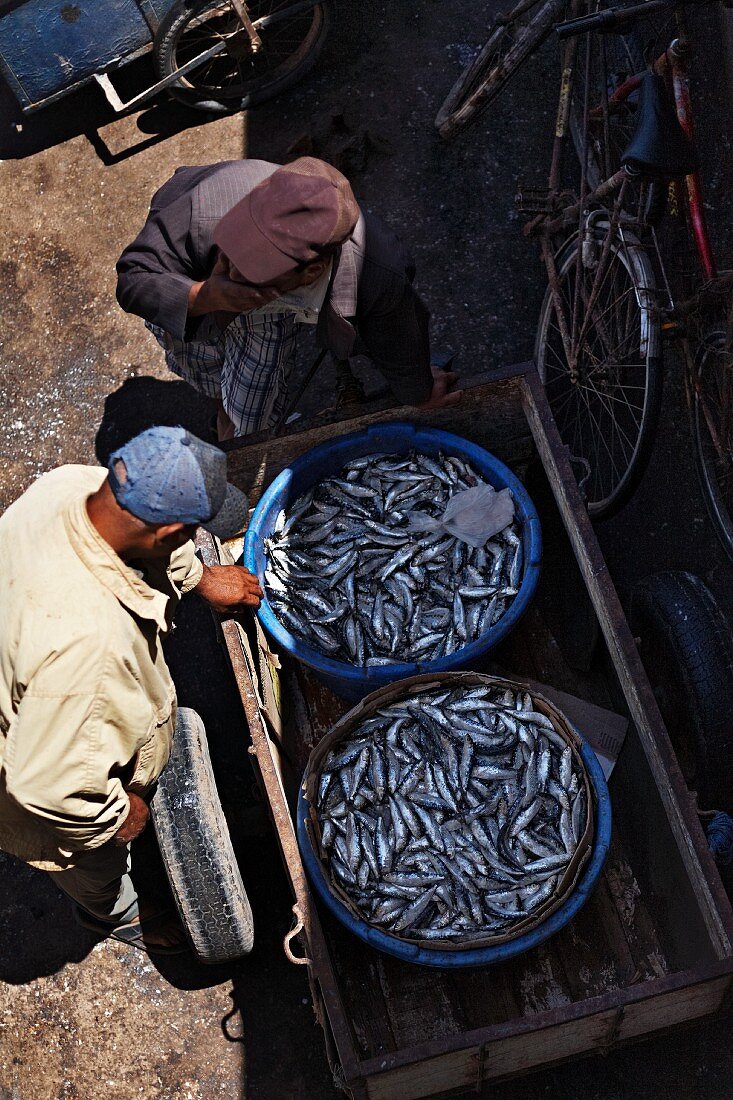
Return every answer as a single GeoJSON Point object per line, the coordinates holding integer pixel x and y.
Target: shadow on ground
{"type": "Point", "coordinates": [86, 112]}
{"type": "Point", "coordinates": [141, 403]}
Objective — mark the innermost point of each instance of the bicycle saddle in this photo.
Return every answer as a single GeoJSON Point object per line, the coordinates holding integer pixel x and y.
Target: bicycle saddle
{"type": "Point", "coordinates": [660, 148]}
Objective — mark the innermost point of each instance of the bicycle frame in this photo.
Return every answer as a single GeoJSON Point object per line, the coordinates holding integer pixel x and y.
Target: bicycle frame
{"type": "Point", "coordinates": [672, 65]}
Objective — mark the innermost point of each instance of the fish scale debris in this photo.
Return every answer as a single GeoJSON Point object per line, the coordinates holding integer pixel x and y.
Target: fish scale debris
{"type": "Point", "coordinates": [453, 814]}
{"type": "Point", "coordinates": [347, 574]}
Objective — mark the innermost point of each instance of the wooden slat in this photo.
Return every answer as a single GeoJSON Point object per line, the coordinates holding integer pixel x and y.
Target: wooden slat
{"type": "Point", "coordinates": [550, 1037]}
{"type": "Point", "coordinates": [357, 969]}
{"type": "Point", "coordinates": [507, 1057]}
{"type": "Point", "coordinates": [418, 1001]}
{"type": "Point", "coordinates": [589, 950]}
{"type": "Point", "coordinates": [639, 931]}
{"type": "Point", "coordinates": [644, 830]}
{"type": "Point", "coordinates": [639, 696]}
{"type": "Point", "coordinates": [253, 462]}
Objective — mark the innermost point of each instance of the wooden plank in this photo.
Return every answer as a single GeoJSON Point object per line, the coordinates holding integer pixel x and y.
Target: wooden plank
{"type": "Point", "coordinates": [639, 931]}
{"type": "Point", "coordinates": [682, 1006]}
{"type": "Point", "coordinates": [518, 1054]}
{"type": "Point", "coordinates": [589, 949]}
{"type": "Point", "coordinates": [357, 969]}
{"type": "Point", "coordinates": [688, 834]}
{"type": "Point", "coordinates": [519, 1045]}
{"type": "Point", "coordinates": [486, 995]}
{"type": "Point", "coordinates": [646, 835]}
{"type": "Point", "coordinates": [253, 462]}
{"type": "Point", "coordinates": [419, 1002]}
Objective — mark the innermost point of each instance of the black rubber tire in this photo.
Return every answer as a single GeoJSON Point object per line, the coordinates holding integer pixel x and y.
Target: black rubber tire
{"type": "Point", "coordinates": [712, 370]}
{"type": "Point", "coordinates": [270, 84]}
{"type": "Point", "coordinates": [509, 45]}
{"type": "Point", "coordinates": [636, 262]}
{"type": "Point", "coordinates": [197, 850]}
{"type": "Point", "coordinates": [686, 646]}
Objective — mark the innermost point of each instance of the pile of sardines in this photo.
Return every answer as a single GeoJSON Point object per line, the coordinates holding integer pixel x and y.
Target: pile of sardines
{"type": "Point", "coordinates": [452, 815]}
{"type": "Point", "coordinates": [347, 574]}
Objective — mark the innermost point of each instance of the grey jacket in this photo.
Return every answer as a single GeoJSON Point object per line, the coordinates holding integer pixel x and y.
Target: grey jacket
{"type": "Point", "coordinates": [370, 307]}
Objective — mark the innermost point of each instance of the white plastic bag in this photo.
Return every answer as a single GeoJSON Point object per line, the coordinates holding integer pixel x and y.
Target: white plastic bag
{"type": "Point", "coordinates": [472, 516]}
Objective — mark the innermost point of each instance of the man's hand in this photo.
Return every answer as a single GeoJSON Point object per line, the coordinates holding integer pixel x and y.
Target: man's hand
{"type": "Point", "coordinates": [442, 395]}
{"type": "Point", "coordinates": [229, 588]}
{"type": "Point", "coordinates": [220, 293]}
{"type": "Point", "coordinates": [135, 821]}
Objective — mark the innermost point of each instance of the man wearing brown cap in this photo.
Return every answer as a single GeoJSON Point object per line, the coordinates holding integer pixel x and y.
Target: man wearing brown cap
{"type": "Point", "coordinates": [234, 257]}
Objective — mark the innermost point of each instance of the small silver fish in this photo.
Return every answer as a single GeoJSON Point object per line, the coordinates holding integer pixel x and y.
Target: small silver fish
{"type": "Point", "coordinates": [348, 574]}
{"type": "Point", "coordinates": [443, 833]}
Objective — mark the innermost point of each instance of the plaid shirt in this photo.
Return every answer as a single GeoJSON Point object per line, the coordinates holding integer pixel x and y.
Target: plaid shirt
{"type": "Point", "coordinates": [245, 365]}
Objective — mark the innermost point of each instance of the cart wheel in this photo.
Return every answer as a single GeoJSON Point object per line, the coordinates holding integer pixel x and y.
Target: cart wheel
{"type": "Point", "coordinates": [686, 646]}
{"type": "Point", "coordinates": [197, 851]}
{"type": "Point", "coordinates": [239, 77]}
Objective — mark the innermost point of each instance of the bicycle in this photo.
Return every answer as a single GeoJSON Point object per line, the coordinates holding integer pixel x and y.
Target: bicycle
{"type": "Point", "coordinates": [598, 348]}
{"type": "Point", "coordinates": [513, 38]}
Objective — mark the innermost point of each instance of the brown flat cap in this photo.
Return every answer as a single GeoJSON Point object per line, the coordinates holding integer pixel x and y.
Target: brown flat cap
{"type": "Point", "coordinates": [287, 220]}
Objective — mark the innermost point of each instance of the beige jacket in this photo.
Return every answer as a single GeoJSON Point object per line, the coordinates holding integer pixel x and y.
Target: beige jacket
{"type": "Point", "coordinates": [87, 704]}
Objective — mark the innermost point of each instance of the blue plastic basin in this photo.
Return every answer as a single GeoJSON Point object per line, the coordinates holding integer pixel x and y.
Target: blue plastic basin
{"type": "Point", "coordinates": [345, 679]}
{"type": "Point", "coordinates": [480, 956]}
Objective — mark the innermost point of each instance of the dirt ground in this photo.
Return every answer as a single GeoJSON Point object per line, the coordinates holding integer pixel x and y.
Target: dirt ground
{"type": "Point", "coordinates": [78, 1018]}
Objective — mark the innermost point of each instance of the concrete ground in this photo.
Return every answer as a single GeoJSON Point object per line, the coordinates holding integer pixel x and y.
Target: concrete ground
{"type": "Point", "coordinates": [82, 1018]}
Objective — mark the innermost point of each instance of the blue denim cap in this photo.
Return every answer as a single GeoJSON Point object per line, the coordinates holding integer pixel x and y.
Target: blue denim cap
{"type": "Point", "coordinates": [172, 476]}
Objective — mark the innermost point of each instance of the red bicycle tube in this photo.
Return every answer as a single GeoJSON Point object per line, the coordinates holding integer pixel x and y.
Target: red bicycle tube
{"type": "Point", "coordinates": [681, 88]}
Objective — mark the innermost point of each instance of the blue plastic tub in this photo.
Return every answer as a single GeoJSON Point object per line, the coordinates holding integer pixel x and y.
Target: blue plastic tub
{"type": "Point", "coordinates": [345, 679]}
{"type": "Point", "coordinates": [482, 956]}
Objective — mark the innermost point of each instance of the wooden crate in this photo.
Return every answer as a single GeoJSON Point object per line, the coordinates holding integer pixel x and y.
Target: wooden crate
{"type": "Point", "coordinates": [653, 946]}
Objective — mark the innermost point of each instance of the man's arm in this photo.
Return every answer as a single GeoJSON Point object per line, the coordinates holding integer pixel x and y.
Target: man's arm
{"type": "Point", "coordinates": [229, 588]}
{"type": "Point", "coordinates": [226, 588]}
{"type": "Point", "coordinates": [396, 335]}
{"type": "Point", "coordinates": [156, 272]}
{"type": "Point", "coordinates": [67, 751]}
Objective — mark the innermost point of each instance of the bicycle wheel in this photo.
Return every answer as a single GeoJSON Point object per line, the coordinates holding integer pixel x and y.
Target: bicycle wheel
{"type": "Point", "coordinates": [622, 57]}
{"type": "Point", "coordinates": [607, 415]}
{"type": "Point", "coordinates": [508, 47]}
{"type": "Point", "coordinates": [239, 77]}
{"type": "Point", "coordinates": [712, 423]}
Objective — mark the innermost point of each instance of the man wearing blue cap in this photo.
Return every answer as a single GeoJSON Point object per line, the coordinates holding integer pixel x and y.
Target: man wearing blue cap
{"type": "Point", "coordinates": [92, 565]}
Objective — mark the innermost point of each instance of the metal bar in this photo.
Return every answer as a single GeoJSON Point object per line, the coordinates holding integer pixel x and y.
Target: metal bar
{"type": "Point", "coordinates": [244, 19]}
{"type": "Point", "coordinates": [566, 220]}
{"type": "Point", "coordinates": [117, 104]}
{"type": "Point", "coordinates": [696, 856]}
{"type": "Point", "coordinates": [563, 113]}
{"type": "Point", "coordinates": [600, 275]}
{"type": "Point", "coordinates": [582, 207]}
{"type": "Point", "coordinates": [681, 87]}
{"type": "Point", "coordinates": [553, 281]}
{"type": "Point", "coordinates": [321, 967]}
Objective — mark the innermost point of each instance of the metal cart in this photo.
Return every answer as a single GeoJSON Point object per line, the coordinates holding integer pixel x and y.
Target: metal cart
{"type": "Point", "coordinates": [217, 56]}
{"type": "Point", "coordinates": [653, 947]}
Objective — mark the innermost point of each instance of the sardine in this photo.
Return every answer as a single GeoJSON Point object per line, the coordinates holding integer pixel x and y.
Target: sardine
{"type": "Point", "coordinates": [438, 832]}
{"type": "Point", "coordinates": [348, 574]}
